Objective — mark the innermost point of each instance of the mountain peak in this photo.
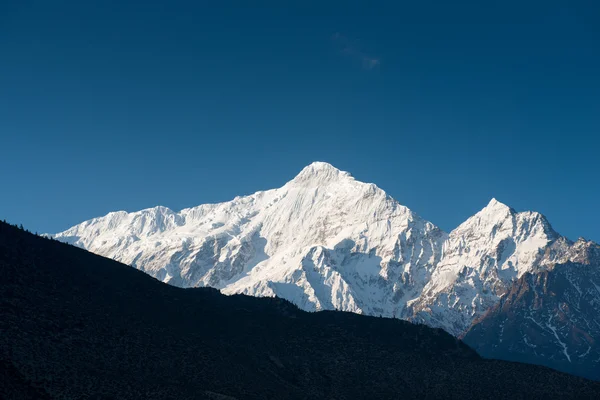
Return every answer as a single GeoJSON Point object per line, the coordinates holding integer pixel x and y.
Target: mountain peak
{"type": "Point", "coordinates": [494, 203]}
{"type": "Point", "coordinates": [494, 212]}
{"type": "Point", "coordinates": [495, 207]}
{"type": "Point", "coordinates": [321, 165]}
{"type": "Point", "coordinates": [320, 172]}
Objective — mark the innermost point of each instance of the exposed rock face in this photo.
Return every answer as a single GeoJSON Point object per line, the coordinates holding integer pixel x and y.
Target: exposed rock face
{"type": "Point", "coordinates": [549, 317]}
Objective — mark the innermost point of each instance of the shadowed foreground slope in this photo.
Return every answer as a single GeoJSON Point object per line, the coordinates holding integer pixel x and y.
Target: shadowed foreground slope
{"type": "Point", "coordinates": [74, 324]}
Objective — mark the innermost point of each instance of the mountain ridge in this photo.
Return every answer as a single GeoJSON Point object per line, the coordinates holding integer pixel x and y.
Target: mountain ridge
{"type": "Point", "coordinates": [327, 241]}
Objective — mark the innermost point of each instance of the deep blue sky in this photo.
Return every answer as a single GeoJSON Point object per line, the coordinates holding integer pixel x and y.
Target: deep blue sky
{"type": "Point", "coordinates": [110, 105]}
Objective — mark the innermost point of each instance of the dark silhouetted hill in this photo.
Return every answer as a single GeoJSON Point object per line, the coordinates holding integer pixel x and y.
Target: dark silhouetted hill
{"type": "Point", "coordinates": [75, 325]}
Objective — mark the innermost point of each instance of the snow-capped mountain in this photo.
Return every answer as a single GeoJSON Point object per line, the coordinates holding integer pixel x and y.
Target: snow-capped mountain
{"type": "Point", "coordinates": [322, 241]}
{"type": "Point", "coordinates": [480, 260]}
{"type": "Point", "coordinates": [327, 241]}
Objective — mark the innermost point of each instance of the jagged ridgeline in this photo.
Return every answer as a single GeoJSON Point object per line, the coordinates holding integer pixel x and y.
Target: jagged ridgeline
{"type": "Point", "coordinates": [77, 325]}
{"type": "Point", "coordinates": [326, 241]}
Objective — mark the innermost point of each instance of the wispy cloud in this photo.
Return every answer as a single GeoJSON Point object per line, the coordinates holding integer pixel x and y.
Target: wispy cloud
{"type": "Point", "coordinates": [351, 49]}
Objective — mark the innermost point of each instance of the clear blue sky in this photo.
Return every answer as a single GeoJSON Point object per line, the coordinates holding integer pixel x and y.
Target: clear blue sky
{"type": "Point", "coordinates": [110, 105]}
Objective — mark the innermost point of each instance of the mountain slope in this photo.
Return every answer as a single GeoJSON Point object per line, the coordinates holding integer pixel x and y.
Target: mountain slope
{"type": "Point", "coordinates": [549, 317]}
{"type": "Point", "coordinates": [78, 325]}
